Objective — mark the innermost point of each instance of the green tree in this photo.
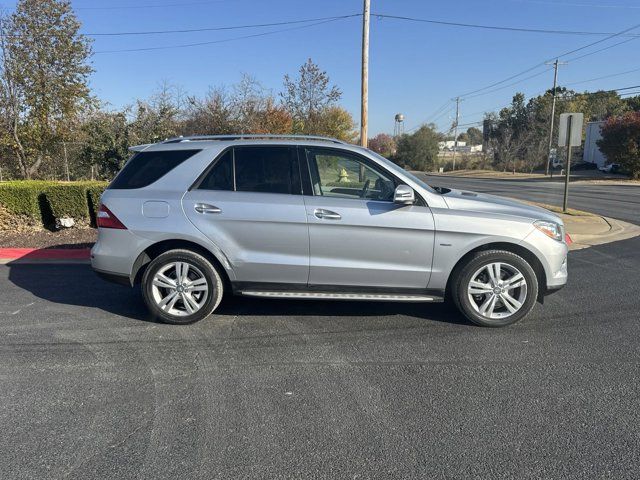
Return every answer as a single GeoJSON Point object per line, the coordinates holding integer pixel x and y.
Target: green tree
{"type": "Point", "coordinates": [160, 117]}
{"type": "Point", "coordinates": [45, 73]}
{"type": "Point", "coordinates": [105, 145]}
{"type": "Point", "coordinates": [418, 151]}
{"type": "Point", "coordinates": [474, 136]}
{"type": "Point", "coordinates": [621, 142]}
{"type": "Point", "coordinates": [308, 96]}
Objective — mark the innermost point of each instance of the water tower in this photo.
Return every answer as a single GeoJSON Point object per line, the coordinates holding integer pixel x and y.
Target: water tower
{"type": "Point", "coordinates": [398, 128]}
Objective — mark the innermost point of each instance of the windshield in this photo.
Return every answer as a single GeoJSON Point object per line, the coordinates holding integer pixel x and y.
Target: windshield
{"type": "Point", "coordinates": [396, 168]}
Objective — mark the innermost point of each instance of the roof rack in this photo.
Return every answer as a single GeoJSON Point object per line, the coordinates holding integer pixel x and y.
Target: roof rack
{"type": "Point", "coordinates": [251, 137]}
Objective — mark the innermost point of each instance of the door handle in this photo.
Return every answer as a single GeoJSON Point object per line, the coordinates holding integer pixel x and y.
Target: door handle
{"type": "Point", "coordinates": [326, 214]}
{"type": "Point", "coordinates": [206, 208]}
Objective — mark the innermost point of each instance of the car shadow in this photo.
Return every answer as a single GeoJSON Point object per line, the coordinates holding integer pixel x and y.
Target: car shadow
{"type": "Point", "coordinates": [77, 284]}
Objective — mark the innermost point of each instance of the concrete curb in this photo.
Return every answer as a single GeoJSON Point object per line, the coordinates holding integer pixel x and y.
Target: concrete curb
{"type": "Point", "coordinates": [44, 255]}
{"type": "Point", "coordinates": [618, 231]}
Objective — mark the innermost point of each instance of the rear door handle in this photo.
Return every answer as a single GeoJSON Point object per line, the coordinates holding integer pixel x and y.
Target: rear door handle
{"type": "Point", "coordinates": [206, 208]}
{"type": "Point", "coordinates": [326, 214]}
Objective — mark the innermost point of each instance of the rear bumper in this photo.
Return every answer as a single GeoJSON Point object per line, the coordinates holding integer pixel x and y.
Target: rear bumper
{"type": "Point", "coordinates": [114, 277]}
{"type": "Point", "coordinates": [116, 251]}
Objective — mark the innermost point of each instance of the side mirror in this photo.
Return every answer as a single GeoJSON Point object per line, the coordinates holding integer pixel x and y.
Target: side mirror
{"type": "Point", "coordinates": [404, 195]}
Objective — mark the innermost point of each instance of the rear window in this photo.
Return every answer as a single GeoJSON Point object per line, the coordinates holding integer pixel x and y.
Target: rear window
{"type": "Point", "coordinates": [144, 168]}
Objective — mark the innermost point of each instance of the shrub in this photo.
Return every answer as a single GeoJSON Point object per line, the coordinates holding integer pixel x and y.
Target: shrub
{"type": "Point", "coordinates": [41, 203]}
{"type": "Point", "coordinates": [66, 200]}
{"type": "Point", "coordinates": [23, 198]}
{"type": "Point", "coordinates": [94, 190]}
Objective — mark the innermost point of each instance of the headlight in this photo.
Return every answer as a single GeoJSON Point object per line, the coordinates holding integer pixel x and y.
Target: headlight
{"type": "Point", "coordinates": [550, 229]}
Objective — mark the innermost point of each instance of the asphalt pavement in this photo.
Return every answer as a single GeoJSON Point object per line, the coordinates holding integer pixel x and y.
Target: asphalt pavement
{"type": "Point", "coordinates": [90, 389]}
{"type": "Point", "coordinates": [615, 201]}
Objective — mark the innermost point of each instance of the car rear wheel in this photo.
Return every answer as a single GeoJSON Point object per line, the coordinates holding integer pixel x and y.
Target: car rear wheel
{"type": "Point", "coordinates": [181, 287]}
{"type": "Point", "coordinates": [495, 288]}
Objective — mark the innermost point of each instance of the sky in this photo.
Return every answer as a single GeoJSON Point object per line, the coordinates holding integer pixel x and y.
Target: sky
{"type": "Point", "coordinates": [415, 68]}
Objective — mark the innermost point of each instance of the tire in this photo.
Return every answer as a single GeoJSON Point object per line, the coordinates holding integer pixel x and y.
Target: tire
{"type": "Point", "coordinates": [186, 301]}
{"type": "Point", "coordinates": [515, 293]}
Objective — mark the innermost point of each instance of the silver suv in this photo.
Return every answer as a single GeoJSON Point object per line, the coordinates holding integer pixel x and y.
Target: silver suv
{"type": "Point", "coordinates": [314, 218]}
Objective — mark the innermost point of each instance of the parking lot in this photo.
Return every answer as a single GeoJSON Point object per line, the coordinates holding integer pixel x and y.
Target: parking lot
{"type": "Point", "coordinates": [89, 387]}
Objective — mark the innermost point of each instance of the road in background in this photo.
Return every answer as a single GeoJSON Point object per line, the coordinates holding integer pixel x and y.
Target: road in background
{"type": "Point", "coordinates": [615, 201]}
{"type": "Point", "coordinates": [90, 389]}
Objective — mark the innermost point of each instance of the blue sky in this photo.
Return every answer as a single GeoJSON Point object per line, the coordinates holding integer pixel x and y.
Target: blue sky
{"type": "Point", "coordinates": [415, 67]}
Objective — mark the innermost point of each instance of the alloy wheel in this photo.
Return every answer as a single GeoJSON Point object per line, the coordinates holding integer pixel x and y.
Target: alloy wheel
{"type": "Point", "coordinates": [179, 289]}
{"type": "Point", "coordinates": [497, 290]}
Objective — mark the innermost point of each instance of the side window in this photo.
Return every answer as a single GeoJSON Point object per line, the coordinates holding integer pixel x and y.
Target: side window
{"type": "Point", "coordinates": [341, 174]}
{"type": "Point", "coordinates": [220, 177]}
{"type": "Point", "coordinates": [144, 168]}
{"type": "Point", "coordinates": [266, 170]}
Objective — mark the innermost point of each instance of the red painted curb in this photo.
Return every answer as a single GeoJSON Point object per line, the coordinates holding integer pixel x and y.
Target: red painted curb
{"type": "Point", "coordinates": [45, 253]}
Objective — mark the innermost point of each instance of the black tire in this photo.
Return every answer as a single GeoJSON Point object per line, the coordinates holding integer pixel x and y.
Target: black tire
{"type": "Point", "coordinates": [198, 264]}
{"type": "Point", "coordinates": [463, 276]}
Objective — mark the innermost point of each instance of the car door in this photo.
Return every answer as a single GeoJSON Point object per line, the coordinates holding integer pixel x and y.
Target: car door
{"type": "Point", "coordinates": [249, 204]}
{"type": "Point", "coordinates": [357, 235]}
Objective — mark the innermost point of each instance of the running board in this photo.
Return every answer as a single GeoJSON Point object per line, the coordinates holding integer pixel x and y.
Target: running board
{"type": "Point", "coordinates": [373, 297]}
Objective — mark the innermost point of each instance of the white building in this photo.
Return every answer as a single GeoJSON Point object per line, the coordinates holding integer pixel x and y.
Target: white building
{"type": "Point", "coordinates": [449, 144]}
{"type": "Point", "coordinates": [592, 153]}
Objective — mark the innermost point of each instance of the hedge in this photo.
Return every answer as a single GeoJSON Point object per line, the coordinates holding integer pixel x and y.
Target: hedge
{"type": "Point", "coordinates": [23, 198]}
{"type": "Point", "coordinates": [45, 202]}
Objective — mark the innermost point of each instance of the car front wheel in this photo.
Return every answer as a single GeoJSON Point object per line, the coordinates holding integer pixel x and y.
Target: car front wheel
{"type": "Point", "coordinates": [181, 287]}
{"type": "Point", "coordinates": [495, 288]}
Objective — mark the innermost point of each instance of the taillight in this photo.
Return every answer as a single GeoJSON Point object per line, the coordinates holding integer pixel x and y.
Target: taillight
{"type": "Point", "coordinates": [106, 219]}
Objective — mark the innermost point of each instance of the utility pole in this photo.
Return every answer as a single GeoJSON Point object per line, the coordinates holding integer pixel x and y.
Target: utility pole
{"type": "Point", "coordinates": [364, 111]}
{"type": "Point", "coordinates": [555, 64]}
{"type": "Point", "coordinates": [567, 168]}
{"type": "Point", "coordinates": [66, 160]}
{"type": "Point", "coordinates": [455, 132]}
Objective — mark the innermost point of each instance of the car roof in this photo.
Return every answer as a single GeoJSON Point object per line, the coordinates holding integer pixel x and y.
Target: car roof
{"type": "Point", "coordinates": [218, 141]}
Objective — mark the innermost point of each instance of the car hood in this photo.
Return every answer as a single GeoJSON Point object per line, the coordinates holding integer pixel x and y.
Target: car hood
{"type": "Point", "coordinates": [480, 202]}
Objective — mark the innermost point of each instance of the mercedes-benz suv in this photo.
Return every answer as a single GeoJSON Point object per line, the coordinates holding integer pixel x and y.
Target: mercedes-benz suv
{"type": "Point", "coordinates": [193, 218]}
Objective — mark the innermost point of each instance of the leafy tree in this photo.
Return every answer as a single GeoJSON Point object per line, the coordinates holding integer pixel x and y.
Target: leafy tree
{"type": "Point", "coordinates": [308, 96]}
{"type": "Point", "coordinates": [105, 146]}
{"type": "Point", "coordinates": [418, 151]}
{"type": "Point", "coordinates": [474, 136]}
{"type": "Point", "coordinates": [463, 137]}
{"type": "Point", "coordinates": [44, 85]}
{"type": "Point", "coordinates": [211, 115]}
{"type": "Point", "coordinates": [621, 142]}
{"type": "Point", "coordinates": [335, 122]}
{"type": "Point", "coordinates": [383, 144]}
{"type": "Point", "coordinates": [158, 118]}
{"type": "Point", "coordinates": [633, 103]}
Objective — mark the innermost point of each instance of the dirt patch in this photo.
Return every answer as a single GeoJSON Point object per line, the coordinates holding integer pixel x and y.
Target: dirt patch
{"type": "Point", "coordinates": [35, 238]}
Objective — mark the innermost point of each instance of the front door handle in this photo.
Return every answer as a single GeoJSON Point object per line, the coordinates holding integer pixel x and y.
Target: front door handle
{"type": "Point", "coordinates": [326, 214]}
{"type": "Point", "coordinates": [206, 208]}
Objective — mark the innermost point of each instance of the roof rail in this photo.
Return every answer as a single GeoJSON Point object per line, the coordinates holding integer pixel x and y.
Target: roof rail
{"type": "Point", "coordinates": [251, 137]}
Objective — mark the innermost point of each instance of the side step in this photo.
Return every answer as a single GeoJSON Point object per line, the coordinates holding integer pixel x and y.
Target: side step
{"type": "Point", "coordinates": [372, 297]}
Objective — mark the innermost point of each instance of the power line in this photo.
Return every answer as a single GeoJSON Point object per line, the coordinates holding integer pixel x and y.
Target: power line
{"type": "Point", "coordinates": [601, 49]}
{"type": "Point", "coordinates": [224, 40]}
{"type": "Point", "coordinates": [552, 59]}
{"type": "Point", "coordinates": [510, 84]}
{"type": "Point", "coordinates": [208, 29]}
{"type": "Point", "coordinates": [435, 115]}
{"type": "Point", "coordinates": [583, 5]}
{"type": "Point", "coordinates": [491, 27]}
{"type": "Point", "coordinates": [155, 5]}
{"type": "Point", "coordinates": [603, 77]}
{"type": "Point", "coordinates": [216, 29]}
